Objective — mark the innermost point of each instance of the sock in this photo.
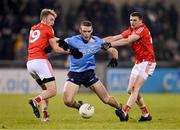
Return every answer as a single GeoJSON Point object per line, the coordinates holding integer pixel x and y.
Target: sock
{"type": "Point", "coordinates": [44, 105]}
{"type": "Point", "coordinates": [144, 111]}
{"type": "Point", "coordinates": [76, 105]}
{"type": "Point", "coordinates": [38, 99]}
{"type": "Point", "coordinates": [126, 109]}
{"type": "Point", "coordinates": [45, 114]}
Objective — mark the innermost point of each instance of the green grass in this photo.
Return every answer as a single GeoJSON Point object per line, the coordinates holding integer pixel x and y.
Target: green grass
{"type": "Point", "coordinates": [15, 113]}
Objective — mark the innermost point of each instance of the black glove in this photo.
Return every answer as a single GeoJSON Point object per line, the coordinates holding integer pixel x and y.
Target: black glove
{"type": "Point", "coordinates": [106, 46]}
{"type": "Point", "coordinates": [113, 63]}
{"type": "Point", "coordinates": [76, 53]}
{"type": "Point", "coordinates": [48, 49]}
{"type": "Point", "coordinates": [63, 44]}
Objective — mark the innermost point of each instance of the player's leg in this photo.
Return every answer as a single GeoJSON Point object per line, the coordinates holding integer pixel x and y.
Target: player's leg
{"type": "Point", "coordinates": [44, 70]}
{"type": "Point", "coordinates": [44, 107]}
{"type": "Point", "coordinates": [138, 76]}
{"type": "Point", "coordinates": [70, 90]}
{"type": "Point", "coordinates": [50, 91]}
{"type": "Point", "coordinates": [134, 91]}
{"type": "Point", "coordinates": [139, 101]}
{"type": "Point", "coordinates": [149, 69]}
{"type": "Point", "coordinates": [44, 103]}
{"type": "Point", "coordinates": [41, 71]}
{"type": "Point", "coordinates": [124, 113]}
{"type": "Point", "coordinates": [145, 113]}
{"type": "Point", "coordinates": [102, 93]}
{"type": "Point", "coordinates": [132, 80]}
{"type": "Point", "coordinates": [46, 94]}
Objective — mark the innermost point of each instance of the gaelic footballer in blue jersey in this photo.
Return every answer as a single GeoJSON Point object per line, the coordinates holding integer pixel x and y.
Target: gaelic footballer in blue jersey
{"type": "Point", "coordinates": [81, 70]}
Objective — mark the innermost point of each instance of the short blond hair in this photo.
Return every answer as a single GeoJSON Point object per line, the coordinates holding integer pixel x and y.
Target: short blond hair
{"type": "Point", "coordinates": [46, 12]}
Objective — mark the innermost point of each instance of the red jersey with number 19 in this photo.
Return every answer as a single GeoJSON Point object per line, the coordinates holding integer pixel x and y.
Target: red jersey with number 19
{"type": "Point", "coordinates": [143, 48]}
{"type": "Point", "coordinates": [38, 40]}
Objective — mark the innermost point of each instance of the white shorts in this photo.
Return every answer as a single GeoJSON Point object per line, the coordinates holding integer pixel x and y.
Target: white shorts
{"type": "Point", "coordinates": [40, 69]}
{"type": "Point", "coordinates": [143, 69]}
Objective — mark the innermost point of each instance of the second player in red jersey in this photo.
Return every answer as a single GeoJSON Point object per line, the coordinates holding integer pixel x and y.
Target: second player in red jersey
{"type": "Point", "coordinates": [139, 37]}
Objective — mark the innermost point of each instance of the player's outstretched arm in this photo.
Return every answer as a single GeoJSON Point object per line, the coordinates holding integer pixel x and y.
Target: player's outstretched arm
{"type": "Point", "coordinates": [125, 41]}
{"type": "Point", "coordinates": [62, 47]}
{"type": "Point", "coordinates": [113, 38]}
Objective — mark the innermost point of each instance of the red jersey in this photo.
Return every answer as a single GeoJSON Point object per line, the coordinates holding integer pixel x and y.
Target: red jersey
{"type": "Point", "coordinates": [142, 48]}
{"type": "Point", "coordinates": [38, 40]}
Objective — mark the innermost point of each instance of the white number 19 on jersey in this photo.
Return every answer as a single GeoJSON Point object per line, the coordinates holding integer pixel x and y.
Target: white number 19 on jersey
{"type": "Point", "coordinates": [34, 35]}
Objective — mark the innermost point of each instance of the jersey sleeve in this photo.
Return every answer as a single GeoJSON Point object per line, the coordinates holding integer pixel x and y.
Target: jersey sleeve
{"type": "Point", "coordinates": [50, 33]}
{"type": "Point", "coordinates": [126, 33]}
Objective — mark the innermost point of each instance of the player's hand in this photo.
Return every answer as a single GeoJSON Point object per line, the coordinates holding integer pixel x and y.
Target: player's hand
{"type": "Point", "coordinates": [106, 46]}
{"type": "Point", "coordinates": [63, 44]}
{"type": "Point", "coordinates": [76, 53]}
{"type": "Point", "coordinates": [48, 49]}
{"type": "Point", "coordinates": [113, 63]}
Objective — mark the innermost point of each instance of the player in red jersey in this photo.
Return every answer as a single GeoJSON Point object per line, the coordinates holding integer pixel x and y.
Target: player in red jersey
{"type": "Point", "coordinates": [41, 36]}
{"type": "Point", "coordinates": [139, 37]}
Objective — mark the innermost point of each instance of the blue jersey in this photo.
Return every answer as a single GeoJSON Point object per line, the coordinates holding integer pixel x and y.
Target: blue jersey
{"type": "Point", "coordinates": [89, 49]}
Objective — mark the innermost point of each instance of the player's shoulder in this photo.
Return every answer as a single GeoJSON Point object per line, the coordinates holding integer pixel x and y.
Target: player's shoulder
{"type": "Point", "coordinates": [96, 37]}
{"type": "Point", "coordinates": [73, 38]}
{"type": "Point", "coordinates": [76, 37]}
{"type": "Point", "coordinates": [142, 29]}
{"type": "Point", "coordinates": [35, 26]}
{"type": "Point", "coordinates": [41, 26]}
{"type": "Point", "coordinates": [127, 31]}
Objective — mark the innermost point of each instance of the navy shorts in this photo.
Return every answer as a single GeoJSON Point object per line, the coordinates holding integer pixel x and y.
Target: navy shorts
{"type": "Point", "coordinates": [86, 78]}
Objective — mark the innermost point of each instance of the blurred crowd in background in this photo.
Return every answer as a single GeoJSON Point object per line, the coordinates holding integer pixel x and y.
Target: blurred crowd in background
{"type": "Point", "coordinates": [17, 16]}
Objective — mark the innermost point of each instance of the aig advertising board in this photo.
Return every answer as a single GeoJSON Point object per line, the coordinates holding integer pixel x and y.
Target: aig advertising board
{"type": "Point", "coordinates": [20, 81]}
{"type": "Point", "coordinates": [163, 80]}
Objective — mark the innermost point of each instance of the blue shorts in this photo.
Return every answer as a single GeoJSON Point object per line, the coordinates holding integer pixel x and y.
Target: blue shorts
{"type": "Point", "coordinates": [86, 78]}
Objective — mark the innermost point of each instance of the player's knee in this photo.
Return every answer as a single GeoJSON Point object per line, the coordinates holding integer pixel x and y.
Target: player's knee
{"type": "Point", "coordinates": [136, 89]}
{"type": "Point", "coordinates": [67, 101]}
{"type": "Point", "coordinates": [129, 91]}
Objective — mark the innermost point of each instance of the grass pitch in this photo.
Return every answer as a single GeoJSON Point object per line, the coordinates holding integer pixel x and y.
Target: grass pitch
{"type": "Point", "coordinates": [15, 113]}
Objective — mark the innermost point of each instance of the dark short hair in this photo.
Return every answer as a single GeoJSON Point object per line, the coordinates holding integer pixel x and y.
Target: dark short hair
{"type": "Point", "coordinates": [138, 14]}
{"type": "Point", "coordinates": [86, 23]}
